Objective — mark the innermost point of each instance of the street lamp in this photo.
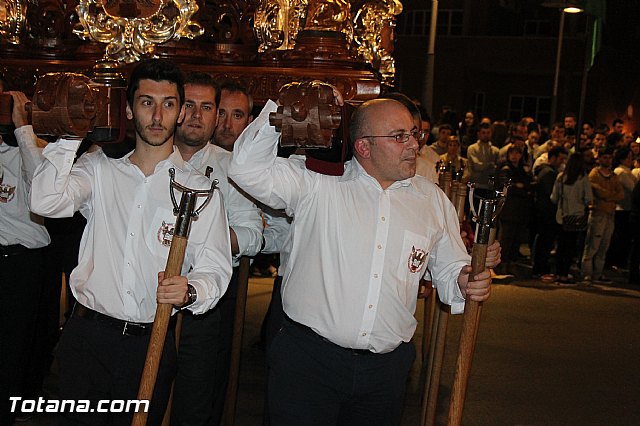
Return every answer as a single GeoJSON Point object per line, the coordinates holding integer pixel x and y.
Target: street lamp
{"type": "Point", "coordinates": [565, 7]}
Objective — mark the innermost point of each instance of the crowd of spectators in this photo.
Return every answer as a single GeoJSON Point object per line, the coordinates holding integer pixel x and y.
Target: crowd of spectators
{"type": "Point", "coordinates": [573, 202]}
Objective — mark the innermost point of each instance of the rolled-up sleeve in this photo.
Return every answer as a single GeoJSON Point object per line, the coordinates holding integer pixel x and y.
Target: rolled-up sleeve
{"type": "Point", "coordinates": [211, 267]}
{"type": "Point", "coordinates": [246, 221]}
{"type": "Point", "coordinates": [448, 258]}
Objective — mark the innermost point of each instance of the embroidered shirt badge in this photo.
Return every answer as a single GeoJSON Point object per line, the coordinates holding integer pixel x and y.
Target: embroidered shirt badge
{"type": "Point", "coordinates": [165, 233]}
{"type": "Point", "coordinates": [417, 259]}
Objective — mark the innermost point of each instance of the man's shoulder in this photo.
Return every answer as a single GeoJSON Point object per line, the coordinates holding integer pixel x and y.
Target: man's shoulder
{"type": "Point", "coordinates": [215, 153]}
{"type": "Point", "coordinates": [423, 186]}
{"type": "Point", "coordinates": [474, 146]}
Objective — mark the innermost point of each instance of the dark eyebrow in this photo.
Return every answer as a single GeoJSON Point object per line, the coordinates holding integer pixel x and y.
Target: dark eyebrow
{"type": "Point", "coordinates": [175, 98]}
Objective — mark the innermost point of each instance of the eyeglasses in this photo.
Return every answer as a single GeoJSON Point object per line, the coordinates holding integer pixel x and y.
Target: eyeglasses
{"type": "Point", "coordinates": [402, 137]}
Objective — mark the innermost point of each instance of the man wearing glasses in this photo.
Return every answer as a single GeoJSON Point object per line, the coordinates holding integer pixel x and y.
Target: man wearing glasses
{"type": "Point", "coordinates": [360, 244]}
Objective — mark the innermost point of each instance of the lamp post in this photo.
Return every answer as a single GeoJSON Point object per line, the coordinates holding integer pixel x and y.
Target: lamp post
{"type": "Point", "coordinates": [565, 7]}
{"type": "Point", "coordinates": [427, 93]}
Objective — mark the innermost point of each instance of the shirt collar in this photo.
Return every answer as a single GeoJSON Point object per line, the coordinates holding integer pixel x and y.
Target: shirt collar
{"type": "Point", "coordinates": [173, 160]}
{"type": "Point", "coordinates": [354, 170]}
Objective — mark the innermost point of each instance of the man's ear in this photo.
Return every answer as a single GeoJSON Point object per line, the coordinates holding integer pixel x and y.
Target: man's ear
{"type": "Point", "coordinates": [362, 147]}
{"type": "Point", "coordinates": [183, 111]}
{"type": "Point", "coordinates": [129, 112]}
{"type": "Point", "coordinates": [250, 119]}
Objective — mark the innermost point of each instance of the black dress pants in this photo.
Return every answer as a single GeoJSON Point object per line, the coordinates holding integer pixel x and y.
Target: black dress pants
{"type": "Point", "coordinates": [99, 362]}
{"type": "Point", "coordinates": [315, 382]}
{"type": "Point", "coordinates": [21, 281]}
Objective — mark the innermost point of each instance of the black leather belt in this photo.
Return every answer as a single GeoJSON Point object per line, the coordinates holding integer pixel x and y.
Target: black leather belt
{"type": "Point", "coordinates": [310, 332]}
{"type": "Point", "coordinates": [128, 328]}
{"type": "Point", "coordinates": [12, 250]}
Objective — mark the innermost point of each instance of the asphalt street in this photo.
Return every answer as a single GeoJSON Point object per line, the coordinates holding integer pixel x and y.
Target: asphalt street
{"type": "Point", "coordinates": [546, 355]}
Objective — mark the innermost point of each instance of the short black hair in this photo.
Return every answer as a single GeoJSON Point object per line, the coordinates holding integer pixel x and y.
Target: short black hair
{"type": "Point", "coordinates": [620, 154]}
{"type": "Point", "coordinates": [232, 86]}
{"type": "Point", "coordinates": [156, 70]}
{"type": "Point", "coordinates": [198, 78]}
{"type": "Point", "coordinates": [484, 126]}
{"type": "Point", "coordinates": [616, 121]}
{"type": "Point", "coordinates": [556, 151]}
{"type": "Point", "coordinates": [605, 150]}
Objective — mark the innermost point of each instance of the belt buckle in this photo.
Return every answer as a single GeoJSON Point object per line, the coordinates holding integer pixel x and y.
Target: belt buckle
{"type": "Point", "coordinates": [124, 329]}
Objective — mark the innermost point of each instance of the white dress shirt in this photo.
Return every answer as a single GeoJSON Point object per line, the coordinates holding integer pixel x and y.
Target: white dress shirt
{"type": "Point", "coordinates": [17, 165]}
{"type": "Point", "coordinates": [358, 251]}
{"type": "Point", "coordinates": [129, 227]}
{"type": "Point", "coordinates": [243, 215]}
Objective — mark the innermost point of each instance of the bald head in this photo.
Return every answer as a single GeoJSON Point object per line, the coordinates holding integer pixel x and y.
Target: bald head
{"type": "Point", "coordinates": [366, 115]}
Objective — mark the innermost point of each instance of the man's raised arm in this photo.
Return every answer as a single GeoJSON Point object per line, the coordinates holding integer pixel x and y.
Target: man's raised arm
{"type": "Point", "coordinates": [254, 168]}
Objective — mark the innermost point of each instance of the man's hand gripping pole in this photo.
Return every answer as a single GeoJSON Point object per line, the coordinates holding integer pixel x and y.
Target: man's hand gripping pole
{"type": "Point", "coordinates": [185, 212]}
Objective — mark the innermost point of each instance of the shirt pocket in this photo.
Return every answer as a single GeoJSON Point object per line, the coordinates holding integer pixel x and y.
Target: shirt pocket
{"type": "Point", "coordinates": [160, 232]}
{"type": "Point", "coordinates": [413, 259]}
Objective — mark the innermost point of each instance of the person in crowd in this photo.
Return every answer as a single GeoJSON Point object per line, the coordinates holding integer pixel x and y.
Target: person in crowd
{"type": "Point", "coordinates": [545, 211]}
{"type": "Point", "coordinates": [618, 254]}
{"type": "Point", "coordinates": [572, 195]}
{"type": "Point", "coordinates": [517, 141]}
{"type": "Point", "coordinates": [514, 217]}
{"type": "Point", "coordinates": [468, 132]}
{"type": "Point", "coordinates": [453, 156]}
{"type": "Point", "coordinates": [128, 207]}
{"type": "Point", "coordinates": [607, 191]}
{"type": "Point", "coordinates": [556, 139]}
{"type": "Point", "coordinates": [615, 135]}
{"type": "Point", "coordinates": [343, 352]}
{"type": "Point", "coordinates": [570, 121]}
{"type": "Point", "coordinates": [22, 258]}
{"type": "Point", "coordinates": [444, 133]}
{"type": "Point", "coordinates": [588, 130]}
{"type": "Point", "coordinates": [533, 137]}
{"type": "Point", "coordinates": [617, 126]}
{"type": "Point", "coordinates": [627, 138]}
{"type": "Point", "coordinates": [205, 342]}
{"type": "Point", "coordinates": [482, 157]}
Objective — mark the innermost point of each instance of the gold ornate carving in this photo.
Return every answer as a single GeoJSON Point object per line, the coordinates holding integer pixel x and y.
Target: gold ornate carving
{"type": "Point", "coordinates": [374, 26]}
{"type": "Point", "coordinates": [328, 15]}
{"type": "Point", "coordinates": [132, 28]}
{"type": "Point", "coordinates": [13, 15]}
{"type": "Point", "coordinates": [277, 23]}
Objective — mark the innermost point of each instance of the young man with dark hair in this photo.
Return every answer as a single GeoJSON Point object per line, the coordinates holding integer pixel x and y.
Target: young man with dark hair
{"type": "Point", "coordinates": [482, 157]}
{"type": "Point", "coordinates": [205, 343]}
{"type": "Point", "coordinates": [119, 280]}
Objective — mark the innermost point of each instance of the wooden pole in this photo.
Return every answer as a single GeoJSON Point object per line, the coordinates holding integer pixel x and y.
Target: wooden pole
{"type": "Point", "coordinates": [436, 358]}
{"type": "Point", "coordinates": [166, 421]}
{"type": "Point", "coordinates": [159, 331]}
{"type": "Point", "coordinates": [470, 323]}
{"type": "Point", "coordinates": [229, 415]}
